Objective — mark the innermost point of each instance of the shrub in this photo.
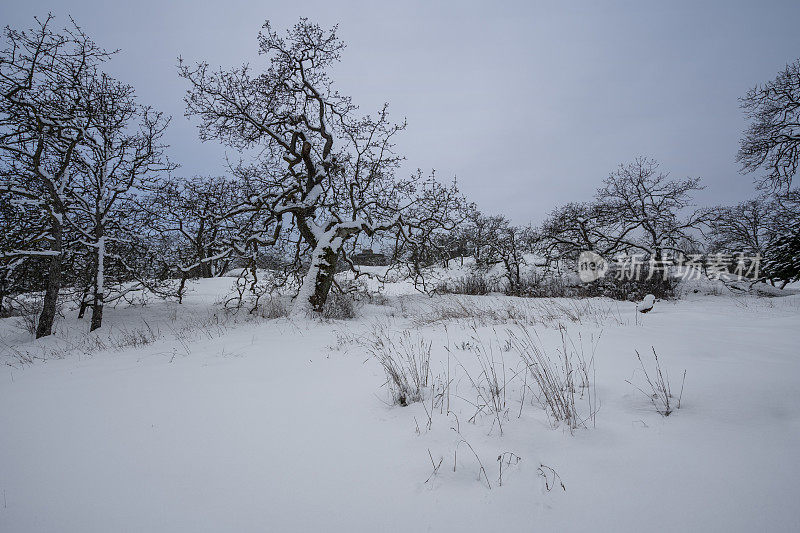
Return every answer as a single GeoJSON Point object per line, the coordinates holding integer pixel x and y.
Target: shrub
{"type": "Point", "coordinates": [553, 285]}
{"type": "Point", "coordinates": [630, 289]}
{"type": "Point", "coordinates": [549, 285]}
{"type": "Point", "coordinates": [474, 284]}
{"type": "Point", "coordinates": [340, 306]}
{"type": "Point", "coordinates": [540, 285]}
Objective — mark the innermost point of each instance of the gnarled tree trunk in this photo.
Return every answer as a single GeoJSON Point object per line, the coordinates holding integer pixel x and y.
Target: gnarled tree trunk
{"type": "Point", "coordinates": [324, 279]}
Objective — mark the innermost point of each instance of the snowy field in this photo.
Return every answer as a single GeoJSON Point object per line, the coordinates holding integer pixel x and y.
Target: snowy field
{"type": "Point", "coordinates": [184, 418]}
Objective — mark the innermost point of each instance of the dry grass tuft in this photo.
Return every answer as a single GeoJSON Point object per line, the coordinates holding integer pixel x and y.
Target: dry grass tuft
{"type": "Point", "coordinates": [657, 388]}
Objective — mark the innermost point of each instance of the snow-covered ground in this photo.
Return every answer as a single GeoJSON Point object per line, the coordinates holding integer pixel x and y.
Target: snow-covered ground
{"type": "Point", "coordinates": [183, 418]}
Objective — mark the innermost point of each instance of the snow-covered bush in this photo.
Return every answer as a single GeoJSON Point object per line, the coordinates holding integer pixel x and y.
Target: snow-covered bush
{"type": "Point", "coordinates": [340, 306]}
{"type": "Point", "coordinates": [622, 286]}
{"type": "Point", "coordinates": [543, 285]}
{"type": "Point", "coordinates": [474, 284]}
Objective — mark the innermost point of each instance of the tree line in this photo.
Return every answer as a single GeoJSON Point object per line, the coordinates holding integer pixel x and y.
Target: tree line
{"type": "Point", "coordinates": [92, 206]}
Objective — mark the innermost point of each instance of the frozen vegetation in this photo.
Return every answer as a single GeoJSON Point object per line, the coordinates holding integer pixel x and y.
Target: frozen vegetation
{"type": "Point", "coordinates": [523, 414]}
{"type": "Point", "coordinates": [318, 338]}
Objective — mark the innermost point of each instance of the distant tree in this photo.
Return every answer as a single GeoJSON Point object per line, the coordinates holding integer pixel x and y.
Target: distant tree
{"type": "Point", "coordinates": [586, 226]}
{"type": "Point", "coordinates": [763, 227]}
{"type": "Point", "coordinates": [509, 244]}
{"type": "Point", "coordinates": [433, 210]}
{"type": "Point", "coordinates": [638, 195]}
{"type": "Point", "coordinates": [772, 140]}
{"type": "Point", "coordinates": [197, 213]}
{"type": "Point", "coordinates": [747, 227]}
{"type": "Point", "coordinates": [480, 233]}
{"type": "Point", "coordinates": [783, 262]}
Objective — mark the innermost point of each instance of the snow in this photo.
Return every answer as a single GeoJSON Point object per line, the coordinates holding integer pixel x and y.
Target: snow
{"type": "Point", "coordinates": [646, 304]}
{"type": "Point", "coordinates": [285, 425]}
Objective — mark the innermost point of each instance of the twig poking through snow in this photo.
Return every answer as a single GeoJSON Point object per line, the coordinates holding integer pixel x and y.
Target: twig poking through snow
{"type": "Point", "coordinates": [507, 458]}
{"type": "Point", "coordinates": [660, 394]}
{"type": "Point", "coordinates": [550, 478]}
{"type": "Point", "coordinates": [435, 465]}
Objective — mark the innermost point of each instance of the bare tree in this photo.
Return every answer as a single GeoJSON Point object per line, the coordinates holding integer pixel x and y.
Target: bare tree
{"type": "Point", "coordinates": [764, 227]}
{"type": "Point", "coordinates": [638, 195]}
{"type": "Point", "coordinates": [43, 120]}
{"type": "Point", "coordinates": [121, 153]}
{"type": "Point", "coordinates": [197, 212]}
{"type": "Point", "coordinates": [509, 244]}
{"type": "Point", "coordinates": [772, 140]}
{"type": "Point", "coordinates": [747, 227]}
{"type": "Point", "coordinates": [325, 168]}
{"type": "Point", "coordinates": [582, 226]}
{"type": "Point", "coordinates": [480, 232]}
{"type": "Point", "coordinates": [207, 224]}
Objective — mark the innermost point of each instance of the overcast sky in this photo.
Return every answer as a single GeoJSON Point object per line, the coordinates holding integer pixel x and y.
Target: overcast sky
{"type": "Point", "coordinates": [529, 104]}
